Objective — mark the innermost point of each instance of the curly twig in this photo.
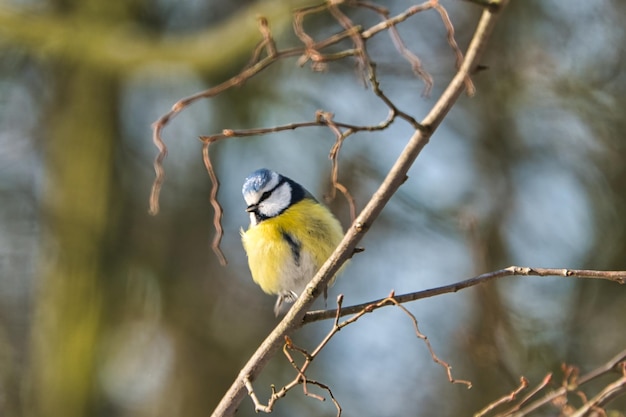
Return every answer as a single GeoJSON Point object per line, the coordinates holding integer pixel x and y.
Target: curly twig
{"type": "Point", "coordinates": [217, 208]}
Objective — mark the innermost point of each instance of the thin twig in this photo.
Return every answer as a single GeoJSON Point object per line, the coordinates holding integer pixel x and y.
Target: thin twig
{"type": "Point", "coordinates": [334, 158]}
{"type": "Point", "coordinates": [301, 377]}
{"type": "Point", "coordinates": [571, 384]}
{"type": "Point", "coordinates": [469, 85]}
{"type": "Point", "coordinates": [416, 63]}
{"type": "Point", "coordinates": [614, 364]}
{"type": "Point", "coordinates": [615, 276]}
{"type": "Point", "coordinates": [503, 400]}
{"type": "Point", "coordinates": [546, 380]}
{"type": "Point", "coordinates": [217, 208]}
{"type": "Point", "coordinates": [267, 44]}
{"type": "Point", "coordinates": [362, 58]}
{"type": "Point", "coordinates": [392, 299]}
{"type": "Point", "coordinates": [610, 392]}
{"type": "Point", "coordinates": [230, 133]}
{"type": "Point", "coordinates": [393, 21]}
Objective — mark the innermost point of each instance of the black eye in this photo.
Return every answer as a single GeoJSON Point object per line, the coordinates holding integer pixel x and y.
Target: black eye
{"type": "Point", "coordinates": [265, 195]}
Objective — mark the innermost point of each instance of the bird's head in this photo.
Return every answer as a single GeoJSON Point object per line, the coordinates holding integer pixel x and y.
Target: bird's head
{"type": "Point", "coordinates": [268, 194]}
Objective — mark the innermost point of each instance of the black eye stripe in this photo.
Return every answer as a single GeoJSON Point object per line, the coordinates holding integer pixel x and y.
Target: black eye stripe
{"type": "Point", "coordinates": [266, 194]}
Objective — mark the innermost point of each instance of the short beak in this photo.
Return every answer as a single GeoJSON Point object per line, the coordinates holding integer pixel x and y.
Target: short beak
{"type": "Point", "coordinates": [252, 208]}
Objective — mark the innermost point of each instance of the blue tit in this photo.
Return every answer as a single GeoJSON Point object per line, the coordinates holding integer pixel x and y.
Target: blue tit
{"type": "Point", "coordinates": [290, 235]}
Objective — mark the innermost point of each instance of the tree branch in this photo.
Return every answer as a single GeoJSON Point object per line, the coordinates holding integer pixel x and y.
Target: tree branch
{"type": "Point", "coordinates": [615, 276]}
{"type": "Point", "coordinates": [396, 177]}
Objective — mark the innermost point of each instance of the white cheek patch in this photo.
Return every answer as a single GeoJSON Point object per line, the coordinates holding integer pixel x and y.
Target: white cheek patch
{"type": "Point", "coordinates": [277, 202]}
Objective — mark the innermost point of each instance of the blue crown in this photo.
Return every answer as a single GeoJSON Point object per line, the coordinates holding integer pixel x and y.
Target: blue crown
{"type": "Point", "coordinates": [257, 180]}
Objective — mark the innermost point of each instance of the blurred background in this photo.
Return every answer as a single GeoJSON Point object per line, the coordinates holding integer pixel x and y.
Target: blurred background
{"type": "Point", "coordinates": [108, 311]}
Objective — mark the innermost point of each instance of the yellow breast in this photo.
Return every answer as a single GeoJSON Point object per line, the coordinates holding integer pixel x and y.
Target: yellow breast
{"type": "Point", "coordinates": [307, 228]}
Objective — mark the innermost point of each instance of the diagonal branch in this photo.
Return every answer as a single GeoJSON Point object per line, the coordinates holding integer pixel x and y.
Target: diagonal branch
{"type": "Point", "coordinates": [395, 178]}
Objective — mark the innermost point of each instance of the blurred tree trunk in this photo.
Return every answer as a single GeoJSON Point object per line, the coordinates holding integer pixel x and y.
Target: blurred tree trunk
{"type": "Point", "coordinates": [76, 199]}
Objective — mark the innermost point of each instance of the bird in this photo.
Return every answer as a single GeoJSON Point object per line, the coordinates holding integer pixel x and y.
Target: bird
{"type": "Point", "coordinates": [290, 235]}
